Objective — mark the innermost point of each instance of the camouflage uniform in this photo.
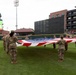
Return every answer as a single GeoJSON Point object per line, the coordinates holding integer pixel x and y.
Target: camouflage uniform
{"type": "Point", "coordinates": [61, 49]}
{"type": "Point", "coordinates": [4, 42]}
{"type": "Point", "coordinates": [11, 44]}
{"type": "Point", "coordinates": [66, 46]}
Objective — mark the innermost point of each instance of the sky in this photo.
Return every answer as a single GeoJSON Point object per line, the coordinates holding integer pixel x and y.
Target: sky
{"type": "Point", "coordinates": [30, 11]}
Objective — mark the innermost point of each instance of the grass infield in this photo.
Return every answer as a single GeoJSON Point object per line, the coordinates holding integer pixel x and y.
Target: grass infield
{"type": "Point", "coordinates": [39, 61]}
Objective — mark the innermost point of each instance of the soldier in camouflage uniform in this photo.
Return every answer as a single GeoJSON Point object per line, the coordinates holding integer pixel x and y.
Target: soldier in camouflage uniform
{"type": "Point", "coordinates": [4, 41]}
{"type": "Point", "coordinates": [61, 48]}
{"type": "Point", "coordinates": [11, 40]}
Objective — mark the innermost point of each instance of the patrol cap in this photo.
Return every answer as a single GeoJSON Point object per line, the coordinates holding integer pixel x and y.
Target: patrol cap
{"type": "Point", "coordinates": [61, 36]}
{"type": "Point", "coordinates": [12, 32]}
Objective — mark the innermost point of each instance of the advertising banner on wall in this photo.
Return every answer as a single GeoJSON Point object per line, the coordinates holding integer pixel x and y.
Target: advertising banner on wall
{"type": "Point", "coordinates": [1, 24]}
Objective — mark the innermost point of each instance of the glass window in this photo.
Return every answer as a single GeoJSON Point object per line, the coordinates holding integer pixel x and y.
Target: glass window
{"type": "Point", "coordinates": [69, 22]}
{"type": "Point", "coordinates": [68, 27]}
{"type": "Point", "coordinates": [74, 12]}
{"type": "Point", "coordinates": [69, 18]}
{"type": "Point", "coordinates": [74, 17]}
{"type": "Point", "coordinates": [74, 26]}
{"type": "Point", "coordinates": [74, 21]}
{"type": "Point", "coordinates": [69, 13]}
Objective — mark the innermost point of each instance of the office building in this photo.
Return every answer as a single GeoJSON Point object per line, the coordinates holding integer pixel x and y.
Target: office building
{"type": "Point", "coordinates": [58, 22]}
{"type": "Point", "coordinates": [50, 26]}
{"type": "Point", "coordinates": [71, 21]}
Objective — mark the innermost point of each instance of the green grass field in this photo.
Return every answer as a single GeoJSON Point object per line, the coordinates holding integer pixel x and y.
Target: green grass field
{"type": "Point", "coordinates": [38, 61]}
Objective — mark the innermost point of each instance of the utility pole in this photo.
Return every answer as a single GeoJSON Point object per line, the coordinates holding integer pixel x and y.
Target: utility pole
{"type": "Point", "coordinates": [16, 4]}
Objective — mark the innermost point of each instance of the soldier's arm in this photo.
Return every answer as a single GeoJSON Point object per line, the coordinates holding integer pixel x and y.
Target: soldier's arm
{"type": "Point", "coordinates": [7, 44]}
{"type": "Point", "coordinates": [3, 38]}
{"type": "Point", "coordinates": [15, 39]}
{"type": "Point", "coordinates": [58, 42]}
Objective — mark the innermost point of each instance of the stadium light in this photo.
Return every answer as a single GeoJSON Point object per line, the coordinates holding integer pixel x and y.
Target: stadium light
{"type": "Point", "coordinates": [16, 4]}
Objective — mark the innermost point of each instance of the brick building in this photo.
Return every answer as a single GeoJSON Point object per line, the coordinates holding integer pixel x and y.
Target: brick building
{"type": "Point", "coordinates": [59, 13]}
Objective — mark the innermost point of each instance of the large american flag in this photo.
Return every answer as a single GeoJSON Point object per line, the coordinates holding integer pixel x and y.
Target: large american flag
{"type": "Point", "coordinates": [42, 41]}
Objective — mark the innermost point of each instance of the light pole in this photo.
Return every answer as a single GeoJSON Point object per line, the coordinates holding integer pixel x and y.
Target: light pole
{"type": "Point", "coordinates": [16, 3]}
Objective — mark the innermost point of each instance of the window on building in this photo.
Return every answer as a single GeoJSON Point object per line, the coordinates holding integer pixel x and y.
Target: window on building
{"type": "Point", "coordinates": [68, 27]}
{"type": "Point", "coordinates": [74, 21]}
{"type": "Point", "coordinates": [74, 12]}
{"type": "Point", "coordinates": [69, 13]}
{"type": "Point", "coordinates": [74, 26]}
{"type": "Point", "coordinates": [74, 17]}
{"type": "Point", "coordinates": [69, 23]}
{"type": "Point", "coordinates": [69, 18]}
